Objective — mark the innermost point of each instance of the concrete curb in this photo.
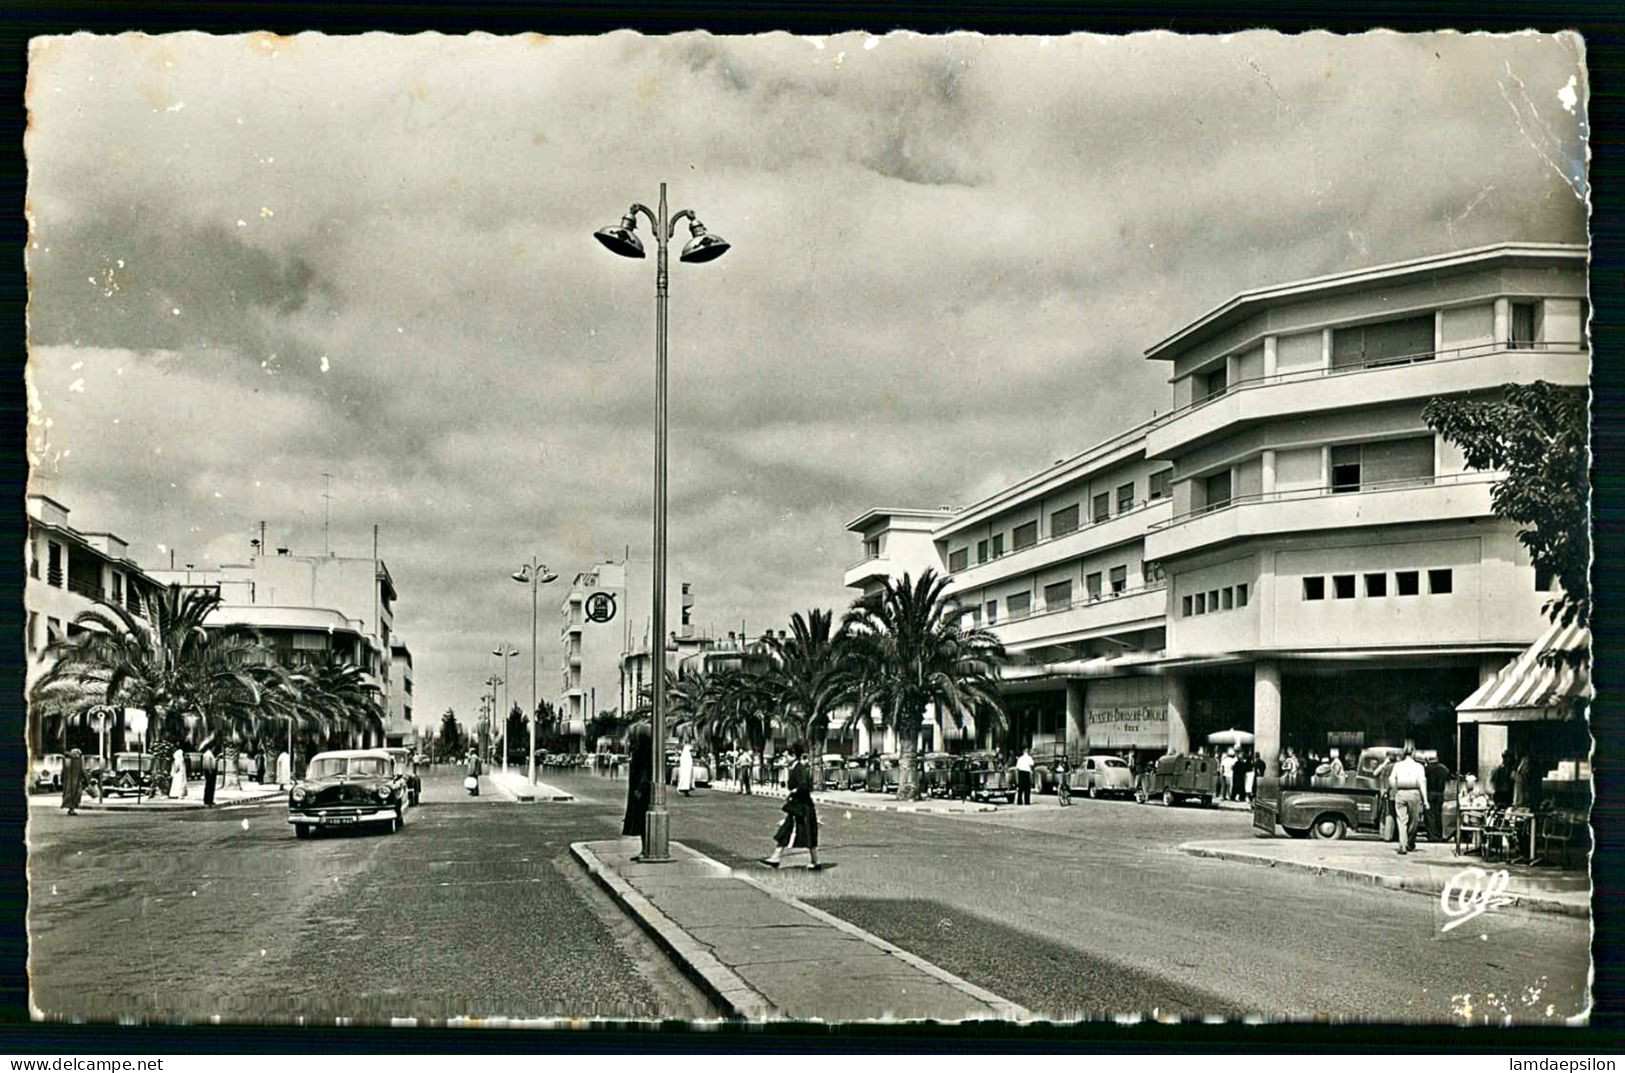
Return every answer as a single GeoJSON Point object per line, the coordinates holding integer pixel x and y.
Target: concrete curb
{"type": "Point", "coordinates": [1532, 902]}
{"type": "Point", "coordinates": [1003, 1009]}
{"type": "Point", "coordinates": [90, 804]}
{"type": "Point", "coordinates": [882, 803]}
{"type": "Point", "coordinates": [722, 984]}
{"type": "Point", "coordinates": [522, 791]}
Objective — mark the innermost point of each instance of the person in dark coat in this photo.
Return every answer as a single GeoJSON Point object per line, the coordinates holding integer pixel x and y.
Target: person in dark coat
{"type": "Point", "coordinates": [800, 825]}
{"type": "Point", "coordinates": [259, 766]}
{"type": "Point", "coordinates": [73, 780]}
{"type": "Point", "coordinates": [639, 779]}
{"type": "Point", "coordinates": [1437, 775]}
{"type": "Point", "coordinates": [211, 774]}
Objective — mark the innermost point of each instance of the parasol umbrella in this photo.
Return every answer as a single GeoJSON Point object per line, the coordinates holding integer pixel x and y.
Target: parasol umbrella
{"type": "Point", "coordinates": [1230, 737]}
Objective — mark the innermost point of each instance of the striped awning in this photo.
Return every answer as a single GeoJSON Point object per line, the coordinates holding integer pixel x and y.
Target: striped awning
{"type": "Point", "coordinates": [1528, 689]}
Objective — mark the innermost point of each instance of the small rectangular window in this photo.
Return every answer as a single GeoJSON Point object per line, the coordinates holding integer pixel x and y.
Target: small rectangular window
{"type": "Point", "coordinates": [1019, 604]}
{"type": "Point", "coordinates": [1406, 583]}
{"type": "Point", "coordinates": [981, 551]}
{"type": "Point", "coordinates": [1159, 484]}
{"type": "Point", "coordinates": [1201, 603]}
{"type": "Point", "coordinates": [1343, 586]}
{"type": "Point", "coordinates": [1227, 598]}
{"type": "Point", "coordinates": [1186, 606]}
{"type": "Point", "coordinates": [1214, 383]}
{"type": "Point", "coordinates": [1522, 326]}
{"type": "Point", "coordinates": [1091, 584]}
{"type": "Point", "coordinates": [1213, 599]}
{"type": "Point", "coordinates": [53, 564]}
{"type": "Point", "coordinates": [992, 612]}
{"type": "Point", "coordinates": [1024, 536]}
{"type": "Point", "coordinates": [1119, 578]}
{"type": "Point", "coordinates": [1346, 468]}
{"type": "Point", "coordinates": [1241, 596]}
{"type": "Point", "coordinates": [1314, 588]}
{"type": "Point", "coordinates": [1101, 507]}
{"type": "Point", "coordinates": [1545, 579]}
{"type": "Point", "coordinates": [1439, 582]}
{"type": "Point", "coordinates": [1058, 597]}
{"type": "Point", "coordinates": [998, 545]}
{"type": "Point", "coordinates": [1217, 488]}
{"type": "Point", "coordinates": [958, 559]}
{"type": "Point", "coordinates": [118, 588]}
{"type": "Point", "coordinates": [1125, 497]}
{"type": "Point", "coordinates": [1064, 521]}
{"type": "Point", "coordinates": [1376, 584]}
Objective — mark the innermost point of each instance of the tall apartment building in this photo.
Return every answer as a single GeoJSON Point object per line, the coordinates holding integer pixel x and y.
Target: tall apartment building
{"type": "Point", "coordinates": [71, 572]}
{"type": "Point", "coordinates": [400, 731]}
{"type": "Point", "coordinates": [590, 652]}
{"type": "Point", "coordinates": [308, 607]}
{"type": "Point", "coordinates": [1290, 550]}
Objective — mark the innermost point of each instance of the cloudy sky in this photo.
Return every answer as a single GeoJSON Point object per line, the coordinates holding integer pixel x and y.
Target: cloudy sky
{"type": "Point", "coordinates": [258, 260]}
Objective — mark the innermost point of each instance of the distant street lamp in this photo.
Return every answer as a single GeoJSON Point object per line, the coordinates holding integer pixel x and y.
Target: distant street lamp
{"type": "Point", "coordinates": [533, 574]}
{"type": "Point", "coordinates": [490, 700]}
{"type": "Point", "coordinates": [623, 241]}
{"type": "Point", "coordinates": [507, 652]}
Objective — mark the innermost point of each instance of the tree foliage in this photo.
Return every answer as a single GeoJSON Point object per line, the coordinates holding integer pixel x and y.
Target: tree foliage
{"type": "Point", "coordinates": [1537, 436]}
{"type": "Point", "coordinates": [809, 675]}
{"type": "Point", "coordinates": [451, 738]}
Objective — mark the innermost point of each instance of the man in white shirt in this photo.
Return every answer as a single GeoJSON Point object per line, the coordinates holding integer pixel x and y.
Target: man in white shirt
{"type": "Point", "coordinates": [1408, 782]}
{"type": "Point", "coordinates": [1024, 778]}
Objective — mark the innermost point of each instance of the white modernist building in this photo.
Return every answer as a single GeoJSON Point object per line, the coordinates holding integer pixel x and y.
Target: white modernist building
{"type": "Point", "coordinates": [1290, 550]}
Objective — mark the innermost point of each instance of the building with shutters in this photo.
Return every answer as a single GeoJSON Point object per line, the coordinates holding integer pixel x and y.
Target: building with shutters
{"type": "Point", "coordinates": [1289, 550]}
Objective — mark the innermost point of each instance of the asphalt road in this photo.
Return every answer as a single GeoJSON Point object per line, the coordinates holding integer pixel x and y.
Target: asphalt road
{"type": "Point", "coordinates": [1093, 910]}
{"type": "Point", "coordinates": [476, 909]}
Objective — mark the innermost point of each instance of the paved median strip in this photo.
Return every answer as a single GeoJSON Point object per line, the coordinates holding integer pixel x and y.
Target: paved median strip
{"type": "Point", "coordinates": [766, 956]}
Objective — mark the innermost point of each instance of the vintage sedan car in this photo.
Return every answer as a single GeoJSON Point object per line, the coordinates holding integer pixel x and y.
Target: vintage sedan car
{"type": "Point", "coordinates": [129, 773]}
{"type": "Point", "coordinates": [344, 788]}
{"type": "Point", "coordinates": [1103, 774]}
{"type": "Point", "coordinates": [48, 772]}
{"type": "Point", "coordinates": [882, 774]}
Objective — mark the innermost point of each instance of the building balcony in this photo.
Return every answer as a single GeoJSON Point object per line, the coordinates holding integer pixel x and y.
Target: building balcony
{"type": "Point", "coordinates": [1124, 528]}
{"type": "Point", "coordinates": [869, 568]}
{"type": "Point", "coordinates": [1086, 618]}
{"type": "Point", "coordinates": [1417, 377]}
{"type": "Point", "coordinates": [1410, 501]}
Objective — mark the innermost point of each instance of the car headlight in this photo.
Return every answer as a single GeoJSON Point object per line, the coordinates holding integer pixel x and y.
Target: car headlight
{"type": "Point", "coordinates": [385, 793]}
{"type": "Point", "coordinates": [298, 793]}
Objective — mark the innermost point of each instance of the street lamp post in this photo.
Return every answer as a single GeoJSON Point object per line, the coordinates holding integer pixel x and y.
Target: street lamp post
{"type": "Point", "coordinates": [490, 714]}
{"type": "Point", "coordinates": [507, 652]}
{"type": "Point", "coordinates": [533, 574]}
{"type": "Point", "coordinates": [623, 241]}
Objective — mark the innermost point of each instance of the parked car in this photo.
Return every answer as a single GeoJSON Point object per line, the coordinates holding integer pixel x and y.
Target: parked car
{"type": "Point", "coordinates": [347, 787]}
{"type": "Point", "coordinates": [129, 773]}
{"type": "Point", "coordinates": [989, 777]}
{"type": "Point", "coordinates": [1179, 777]}
{"type": "Point", "coordinates": [1103, 774]}
{"type": "Point", "coordinates": [1356, 802]}
{"type": "Point", "coordinates": [882, 777]}
{"type": "Point", "coordinates": [410, 783]}
{"type": "Point", "coordinates": [48, 772]}
{"type": "Point", "coordinates": [936, 774]}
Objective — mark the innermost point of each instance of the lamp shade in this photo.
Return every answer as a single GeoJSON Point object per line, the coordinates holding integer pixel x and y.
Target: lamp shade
{"type": "Point", "coordinates": [623, 239]}
{"type": "Point", "coordinates": [702, 246]}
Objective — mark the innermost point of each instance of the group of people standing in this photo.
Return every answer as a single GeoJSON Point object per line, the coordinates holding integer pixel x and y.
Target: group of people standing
{"type": "Point", "coordinates": [1239, 772]}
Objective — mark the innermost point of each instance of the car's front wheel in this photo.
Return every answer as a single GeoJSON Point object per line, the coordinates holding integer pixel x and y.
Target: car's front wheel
{"type": "Point", "coordinates": [302, 830]}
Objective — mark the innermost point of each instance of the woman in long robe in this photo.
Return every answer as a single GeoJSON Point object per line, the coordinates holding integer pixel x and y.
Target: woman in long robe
{"type": "Point", "coordinates": [73, 781]}
{"type": "Point", "coordinates": [639, 773]}
{"type": "Point", "coordinates": [799, 828]}
{"type": "Point", "coordinates": [685, 771]}
{"type": "Point", "coordinates": [177, 773]}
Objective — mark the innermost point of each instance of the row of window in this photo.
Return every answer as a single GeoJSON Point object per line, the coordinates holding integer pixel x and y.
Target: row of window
{"type": "Point", "coordinates": [1229, 598]}
{"type": "Point", "coordinates": [1057, 596]}
{"type": "Point", "coordinates": [1441, 582]}
{"type": "Point", "coordinates": [1061, 522]}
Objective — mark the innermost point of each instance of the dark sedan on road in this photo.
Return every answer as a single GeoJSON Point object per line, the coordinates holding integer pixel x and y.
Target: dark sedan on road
{"type": "Point", "coordinates": [344, 788]}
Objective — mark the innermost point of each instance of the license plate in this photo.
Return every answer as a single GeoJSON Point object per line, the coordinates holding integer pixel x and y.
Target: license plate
{"type": "Point", "coordinates": [338, 819]}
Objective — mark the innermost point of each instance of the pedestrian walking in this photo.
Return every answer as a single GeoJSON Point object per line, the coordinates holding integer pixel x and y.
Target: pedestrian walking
{"type": "Point", "coordinates": [1408, 781]}
{"type": "Point", "coordinates": [177, 772]}
{"type": "Point", "coordinates": [799, 828]}
{"type": "Point", "coordinates": [639, 776]}
{"type": "Point", "coordinates": [284, 769]}
{"type": "Point", "coordinates": [471, 781]}
{"type": "Point", "coordinates": [1024, 778]}
{"type": "Point", "coordinates": [1063, 785]}
{"type": "Point", "coordinates": [1227, 774]}
{"type": "Point", "coordinates": [73, 781]}
{"type": "Point", "coordinates": [211, 773]}
{"type": "Point", "coordinates": [685, 771]}
{"type": "Point", "coordinates": [1438, 776]}
{"type": "Point", "coordinates": [1255, 771]}
{"type": "Point", "coordinates": [259, 766]}
{"type": "Point", "coordinates": [746, 760]}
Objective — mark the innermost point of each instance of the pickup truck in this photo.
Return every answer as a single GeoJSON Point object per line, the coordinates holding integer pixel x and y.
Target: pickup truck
{"type": "Point", "coordinates": [1327, 807]}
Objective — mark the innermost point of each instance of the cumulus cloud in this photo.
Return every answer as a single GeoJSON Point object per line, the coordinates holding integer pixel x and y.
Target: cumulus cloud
{"type": "Point", "coordinates": [266, 259]}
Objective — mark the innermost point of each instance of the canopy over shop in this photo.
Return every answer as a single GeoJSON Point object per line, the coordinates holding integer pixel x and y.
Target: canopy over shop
{"type": "Point", "coordinates": [1537, 706]}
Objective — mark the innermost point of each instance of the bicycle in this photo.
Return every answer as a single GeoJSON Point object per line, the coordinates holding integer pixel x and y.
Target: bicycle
{"type": "Point", "coordinates": [1063, 789]}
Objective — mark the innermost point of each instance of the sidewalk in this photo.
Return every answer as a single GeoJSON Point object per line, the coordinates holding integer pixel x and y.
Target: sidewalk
{"type": "Point", "coordinates": [514, 786]}
{"type": "Point", "coordinates": [766, 956]}
{"type": "Point", "coordinates": [248, 793]}
{"type": "Point", "coordinates": [1426, 871]}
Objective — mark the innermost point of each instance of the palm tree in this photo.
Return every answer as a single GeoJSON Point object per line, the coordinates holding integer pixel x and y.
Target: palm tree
{"type": "Point", "coordinates": [907, 650]}
{"type": "Point", "coordinates": [809, 675]}
{"type": "Point", "coordinates": [334, 700]}
{"type": "Point", "coordinates": [188, 679]}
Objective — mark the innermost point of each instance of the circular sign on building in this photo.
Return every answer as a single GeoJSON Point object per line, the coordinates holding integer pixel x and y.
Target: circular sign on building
{"type": "Point", "coordinates": [600, 607]}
